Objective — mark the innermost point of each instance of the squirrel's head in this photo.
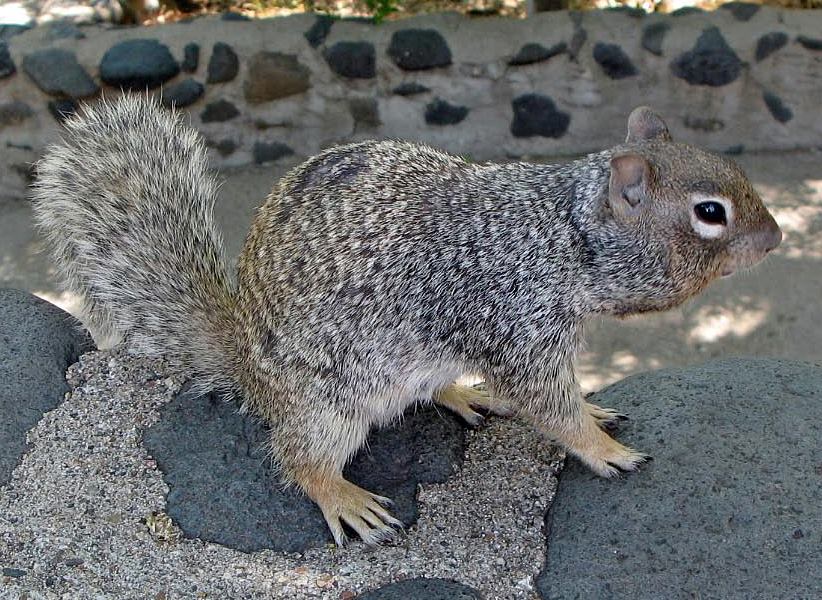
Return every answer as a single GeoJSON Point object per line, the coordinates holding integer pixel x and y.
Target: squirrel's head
{"type": "Point", "coordinates": [694, 209]}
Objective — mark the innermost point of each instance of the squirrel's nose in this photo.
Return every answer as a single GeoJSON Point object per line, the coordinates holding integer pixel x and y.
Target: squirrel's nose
{"type": "Point", "coordinates": [772, 237]}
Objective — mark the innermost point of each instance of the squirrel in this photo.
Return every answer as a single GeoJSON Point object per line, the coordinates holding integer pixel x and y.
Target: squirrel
{"type": "Point", "coordinates": [378, 273]}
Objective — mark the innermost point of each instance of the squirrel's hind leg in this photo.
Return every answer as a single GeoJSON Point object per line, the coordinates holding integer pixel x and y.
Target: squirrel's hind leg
{"type": "Point", "coordinates": [463, 399]}
{"type": "Point", "coordinates": [343, 502]}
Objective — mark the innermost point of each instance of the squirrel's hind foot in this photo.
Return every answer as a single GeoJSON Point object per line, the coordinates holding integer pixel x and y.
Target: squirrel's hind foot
{"type": "Point", "coordinates": [599, 451]}
{"type": "Point", "coordinates": [343, 502]}
{"type": "Point", "coordinates": [606, 418]}
{"type": "Point", "coordinates": [463, 399]}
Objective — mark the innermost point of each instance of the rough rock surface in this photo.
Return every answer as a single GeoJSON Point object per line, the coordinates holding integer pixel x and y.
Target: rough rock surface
{"type": "Point", "coordinates": [57, 72]}
{"type": "Point", "coordinates": [223, 65]}
{"type": "Point", "coordinates": [38, 342]}
{"type": "Point", "coordinates": [422, 589]}
{"type": "Point", "coordinates": [729, 508]}
{"type": "Point", "coordinates": [138, 64]}
{"type": "Point", "coordinates": [273, 75]}
{"type": "Point", "coordinates": [711, 62]}
{"type": "Point", "coordinates": [223, 489]}
{"type": "Point", "coordinates": [355, 60]}
{"type": "Point", "coordinates": [419, 49]}
{"type": "Point", "coordinates": [535, 114]}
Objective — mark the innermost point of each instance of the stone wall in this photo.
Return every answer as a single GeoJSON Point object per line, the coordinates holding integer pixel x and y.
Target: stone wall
{"type": "Point", "coordinates": [742, 78]}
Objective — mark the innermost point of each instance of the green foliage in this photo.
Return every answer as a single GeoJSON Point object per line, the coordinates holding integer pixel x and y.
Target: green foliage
{"type": "Point", "coordinates": [381, 8]}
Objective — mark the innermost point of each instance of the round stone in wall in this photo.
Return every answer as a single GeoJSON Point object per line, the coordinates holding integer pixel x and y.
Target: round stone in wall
{"type": "Point", "coordinates": [534, 53]}
{"type": "Point", "coordinates": [418, 49]}
{"type": "Point", "coordinates": [809, 43]}
{"type": "Point", "coordinates": [182, 93]}
{"type": "Point", "coordinates": [729, 508]}
{"type": "Point", "coordinates": [270, 151]}
{"type": "Point", "coordinates": [7, 67]}
{"type": "Point", "coordinates": [273, 75]}
{"type": "Point", "coordinates": [14, 113]}
{"type": "Point", "coordinates": [62, 108]}
{"type": "Point", "coordinates": [613, 60]}
{"type": "Point", "coordinates": [710, 62]}
{"type": "Point", "coordinates": [770, 43]}
{"type": "Point", "coordinates": [355, 60]}
{"type": "Point", "coordinates": [57, 72]}
{"type": "Point", "coordinates": [653, 36]}
{"type": "Point", "coordinates": [191, 57]}
{"type": "Point", "coordinates": [223, 65]}
{"type": "Point", "coordinates": [440, 112]}
{"type": "Point", "coordinates": [777, 108]}
{"type": "Point", "coordinates": [138, 64]}
{"type": "Point", "coordinates": [535, 114]}
{"type": "Point", "coordinates": [219, 111]}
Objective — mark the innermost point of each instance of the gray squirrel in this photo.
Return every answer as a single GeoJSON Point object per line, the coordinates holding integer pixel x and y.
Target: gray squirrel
{"type": "Point", "coordinates": [377, 273]}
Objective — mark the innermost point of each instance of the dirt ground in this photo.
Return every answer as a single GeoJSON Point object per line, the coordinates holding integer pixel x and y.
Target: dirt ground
{"type": "Point", "coordinates": [773, 310]}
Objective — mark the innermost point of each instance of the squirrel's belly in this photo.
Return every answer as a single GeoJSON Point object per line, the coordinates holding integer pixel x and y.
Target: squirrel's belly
{"type": "Point", "coordinates": [417, 385]}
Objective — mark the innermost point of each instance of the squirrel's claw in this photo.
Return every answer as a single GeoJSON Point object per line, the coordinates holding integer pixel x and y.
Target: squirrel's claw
{"type": "Point", "coordinates": [463, 399]}
{"type": "Point", "coordinates": [606, 418]}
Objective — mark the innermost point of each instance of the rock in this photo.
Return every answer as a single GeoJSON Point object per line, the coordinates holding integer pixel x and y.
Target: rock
{"type": "Point", "coordinates": [7, 67]}
{"type": "Point", "coordinates": [12, 572]}
{"type": "Point", "coordinates": [440, 112]}
{"type": "Point", "coordinates": [38, 342]}
{"type": "Point", "coordinates": [687, 10]}
{"type": "Point", "coordinates": [630, 11]}
{"type": "Point", "coordinates": [409, 89]}
{"type": "Point", "coordinates": [218, 111]}
{"type": "Point", "coordinates": [355, 60]}
{"type": "Point", "coordinates": [422, 589]}
{"type": "Point", "coordinates": [653, 36]}
{"type": "Point", "coordinates": [270, 151]}
{"type": "Point", "coordinates": [613, 60]}
{"type": "Point", "coordinates": [222, 488]}
{"type": "Point", "coordinates": [62, 29]}
{"type": "Point", "coordinates": [418, 49]}
{"type": "Point", "coordinates": [736, 472]}
{"type": "Point", "coordinates": [191, 57]}
{"type": "Point", "coordinates": [225, 147]}
{"type": "Point", "coordinates": [138, 64]}
{"type": "Point", "coordinates": [273, 75]}
{"type": "Point", "coordinates": [62, 108]}
{"type": "Point", "coordinates": [234, 16]}
{"type": "Point", "coordinates": [734, 150]}
{"type": "Point", "coordinates": [319, 30]}
{"type": "Point", "coordinates": [14, 113]}
{"type": "Point", "coordinates": [535, 114]}
{"type": "Point", "coordinates": [534, 53]}
{"type": "Point", "coordinates": [711, 61]}
{"type": "Point", "coordinates": [742, 11]}
{"type": "Point", "coordinates": [183, 93]}
{"type": "Point", "coordinates": [777, 108]}
{"type": "Point", "coordinates": [365, 111]}
{"type": "Point", "coordinates": [809, 43]}
{"type": "Point", "coordinates": [223, 65]}
{"type": "Point", "coordinates": [57, 72]}
{"type": "Point", "coordinates": [770, 43]}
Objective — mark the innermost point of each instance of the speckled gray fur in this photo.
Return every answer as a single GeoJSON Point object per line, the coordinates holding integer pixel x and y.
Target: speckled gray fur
{"type": "Point", "coordinates": [377, 273]}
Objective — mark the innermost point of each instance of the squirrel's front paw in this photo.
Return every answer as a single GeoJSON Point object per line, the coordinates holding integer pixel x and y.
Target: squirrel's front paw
{"type": "Point", "coordinates": [343, 502]}
{"type": "Point", "coordinates": [463, 399]}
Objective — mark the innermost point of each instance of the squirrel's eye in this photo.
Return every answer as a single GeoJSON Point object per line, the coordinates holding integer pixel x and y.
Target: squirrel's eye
{"type": "Point", "coordinates": [711, 212]}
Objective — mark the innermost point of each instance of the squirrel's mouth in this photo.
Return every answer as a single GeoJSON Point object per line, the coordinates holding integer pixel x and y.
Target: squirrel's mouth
{"type": "Point", "coordinates": [727, 272]}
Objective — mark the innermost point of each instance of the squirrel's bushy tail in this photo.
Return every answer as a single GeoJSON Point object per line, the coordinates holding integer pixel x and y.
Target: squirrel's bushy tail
{"type": "Point", "coordinates": [125, 203]}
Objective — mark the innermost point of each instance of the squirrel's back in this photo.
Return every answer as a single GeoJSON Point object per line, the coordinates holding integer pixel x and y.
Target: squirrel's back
{"type": "Point", "coordinates": [125, 204]}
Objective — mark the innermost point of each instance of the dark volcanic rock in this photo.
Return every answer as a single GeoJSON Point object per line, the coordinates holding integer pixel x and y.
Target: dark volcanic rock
{"type": "Point", "coordinates": [809, 43]}
{"type": "Point", "coordinates": [191, 57]}
{"type": "Point", "coordinates": [138, 64]}
{"type": "Point", "coordinates": [410, 88]}
{"type": "Point", "coordinates": [223, 488]}
{"type": "Point", "coordinates": [270, 151]}
{"type": "Point", "coordinates": [356, 60]}
{"type": "Point", "coordinates": [234, 16]}
{"type": "Point", "coordinates": [440, 112]}
{"type": "Point", "coordinates": [273, 75]}
{"type": "Point", "coordinates": [417, 49]}
{"type": "Point", "coordinates": [653, 36]}
{"type": "Point", "coordinates": [742, 11]}
{"type": "Point", "coordinates": [38, 342]}
{"type": "Point", "coordinates": [614, 61]}
{"type": "Point", "coordinates": [736, 473]}
{"type": "Point", "coordinates": [7, 67]}
{"type": "Point", "coordinates": [63, 108]}
{"type": "Point", "coordinates": [223, 65]}
{"type": "Point", "coordinates": [14, 112]}
{"type": "Point", "coordinates": [770, 43]}
{"type": "Point", "coordinates": [319, 30]}
{"type": "Point", "coordinates": [218, 111]}
{"type": "Point", "coordinates": [57, 72]}
{"type": "Point", "coordinates": [183, 93]}
{"type": "Point", "coordinates": [534, 53]}
{"type": "Point", "coordinates": [422, 589]}
{"type": "Point", "coordinates": [686, 10]}
{"type": "Point", "coordinates": [778, 110]}
{"type": "Point", "coordinates": [711, 61]}
{"type": "Point", "coordinates": [535, 114]}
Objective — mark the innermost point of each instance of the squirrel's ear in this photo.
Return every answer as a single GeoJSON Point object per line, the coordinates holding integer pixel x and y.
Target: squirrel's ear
{"type": "Point", "coordinates": [645, 124]}
{"type": "Point", "coordinates": [628, 185]}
